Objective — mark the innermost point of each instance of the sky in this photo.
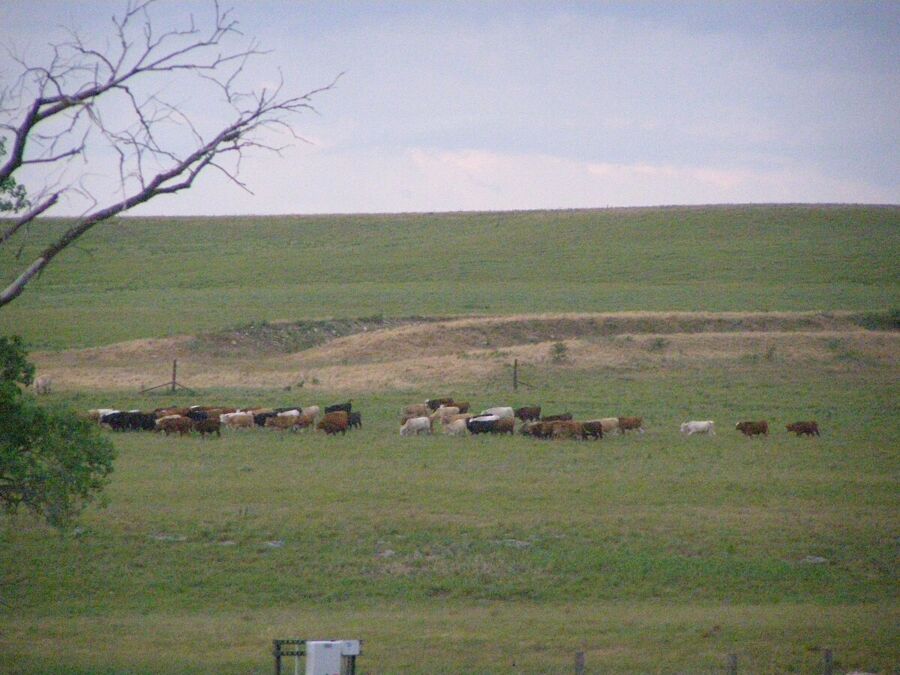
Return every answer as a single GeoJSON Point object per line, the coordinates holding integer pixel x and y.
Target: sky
{"type": "Point", "coordinates": [450, 106]}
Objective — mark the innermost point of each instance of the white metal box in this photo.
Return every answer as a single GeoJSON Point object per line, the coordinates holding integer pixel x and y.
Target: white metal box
{"type": "Point", "coordinates": [323, 657]}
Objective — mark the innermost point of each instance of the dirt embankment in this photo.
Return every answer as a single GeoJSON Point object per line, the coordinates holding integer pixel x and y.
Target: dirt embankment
{"type": "Point", "coordinates": [373, 354]}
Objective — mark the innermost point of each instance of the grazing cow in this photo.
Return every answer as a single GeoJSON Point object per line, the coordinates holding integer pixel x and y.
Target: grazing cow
{"type": "Point", "coordinates": [483, 424]}
{"type": "Point", "coordinates": [164, 412]}
{"type": "Point", "coordinates": [698, 427]}
{"type": "Point", "coordinates": [529, 412]}
{"type": "Point", "coordinates": [199, 415]}
{"type": "Point", "coordinates": [282, 423]}
{"type": "Point", "coordinates": [133, 420]}
{"type": "Point", "coordinates": [338, 407]}
{"type": "Point", "coordinates": [238, 420]}
{"type": "Point", "coordinates": [760, 428]}
{"type": "Point", "coordinates": [42, 384]}
{"type": "Point", "coordinates": [288, 412]}
{"type": "Point", "coordinates": [415, 426]}
{"type": "Point", "coordinates": [335, 422]}
{"type": "Point", "coordinates": [567, 429]}
{"type": "Point", "coordinates": [503, 412]}
{"type": "Point", "coordinates": [355, 420]}
{"type": "Point", "coordinates": [211, 425]}
{"type": "Point", "coordinates": [311, 411]}
{"type": "Point", "coordinates": [435, 403]}
{"type": "Point", "coordinates": [173, 423]}
{"type": "Point", "coordinates": [97, 414]}
{"type": "Point", "coordinates": [456, 428]}
{"type": "Point", "coordinates": [629, 423]}
{"type": "Point", "coordinates": [593, 428]}
{"type": "Point", "coordinates": [800, 428]}
{"type": "Point", "coordinates": [415, 410]}
{"type": "Point", "coordinates": [465, 417]}
{"type": "Point", "coordinates": [564, 417]}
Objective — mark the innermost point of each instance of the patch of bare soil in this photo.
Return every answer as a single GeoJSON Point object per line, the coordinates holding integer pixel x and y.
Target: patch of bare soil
{"type": "Point", "coordinates": [418, 353]}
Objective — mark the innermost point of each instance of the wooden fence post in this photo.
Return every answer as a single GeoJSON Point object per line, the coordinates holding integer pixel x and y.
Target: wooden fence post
{"type": "Point", "coordinates": [579, 663]}
{"type": "Point", "coordinates": [515, 374]}
{"type": "Point", "coordinates": [174, 370]}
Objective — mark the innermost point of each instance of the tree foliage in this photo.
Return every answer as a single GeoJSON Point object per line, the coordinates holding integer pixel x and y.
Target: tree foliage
{"type": "Point", "coordinates": [51, 461]}
{"type": "Point", "coordinates": [153, 107]}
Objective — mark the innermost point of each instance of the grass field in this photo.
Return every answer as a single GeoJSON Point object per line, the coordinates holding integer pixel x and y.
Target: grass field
{"type": "Point", "coordinates": [160, 277]}
{"type": "Point", "coordinates": [651, 553]}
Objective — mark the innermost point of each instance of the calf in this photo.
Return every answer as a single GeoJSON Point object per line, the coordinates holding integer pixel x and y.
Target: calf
{"type": "Point", "coordinates": [335, 422]}
{"type": "Point", "coordinates": [455, 428]}
{"type": "Point", "coordinates": [42, 384]}
{"type": "Point", "coordinates": [355, 420]}
{"type": "Point", "coordinates": [567, 429]}
{"type": "Point", "coordinates": [415, 410]}
{"type": "Point", "coordinates": [537, 429]}
{"type": "Point", "coordinates": [529, 412]}
{"type": "Point", "coordinates": [810, 428]}
{"type": "Point", "coordinates": [629, 423]}
{"type": "Point", "coordinates": [760, 428]}
{"type": "Point", "coordinates": [282, 422]}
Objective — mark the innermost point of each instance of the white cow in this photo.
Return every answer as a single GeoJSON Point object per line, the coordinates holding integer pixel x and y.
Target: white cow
{"type": "Point", "coordinates": [456, 428]}
{"type": "Point", "coordinates": [311, 411]}
{"type": "Point", "coordinates": [444, 413]}
{"type": "Point", "coordinates": [695, 427]}
{"type": "Point", "coordinates": [289, 413]}
{"type": "Point", "coordinates": [502, 412]}
{"type": "Point", "coordinates": [415, 426]}
{"type": "Point", "coordinates": [609, 424]}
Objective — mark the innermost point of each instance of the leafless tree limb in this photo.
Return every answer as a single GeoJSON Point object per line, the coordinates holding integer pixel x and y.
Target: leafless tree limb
{"type": "Point", "coordinates": [90, 100]}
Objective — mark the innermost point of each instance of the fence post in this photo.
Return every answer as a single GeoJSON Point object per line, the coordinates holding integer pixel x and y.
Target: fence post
{"type": "Point", "coordinates": [579, 663]}
{"type": "Point", "coordinates": [174, 370]}
{"type": "Point", "coordinates": [732, 664]}
{"type": "Point", "coordinates": [829, 662]}
{"type": "Point", "coordinates": [276, 652]}
{"type": "Point", "coordinates": [515, 374]}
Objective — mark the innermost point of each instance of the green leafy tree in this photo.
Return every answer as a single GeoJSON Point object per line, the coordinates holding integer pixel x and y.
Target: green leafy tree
{"type": "Point", "coordinates": [51, 461]}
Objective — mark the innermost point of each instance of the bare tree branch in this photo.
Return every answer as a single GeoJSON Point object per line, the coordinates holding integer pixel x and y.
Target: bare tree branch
{"type": "Point", "coordinates": [114, 103]}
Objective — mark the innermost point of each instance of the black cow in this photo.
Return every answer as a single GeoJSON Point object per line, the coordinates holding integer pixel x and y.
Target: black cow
{"type": "Point", "coordinates": [355, 420]}
{"type": "Point", "coordinates": [435, 403]}
{"type": "Point", "coordinates": [197, 415]}
{"type": "Point", "coordinates": [337, 407]}
{"type": "Point", "coordinates": [529, 412]}
{"type": "Point", "coordinates": [564, 417]}
{"type": "Point", "coordinates": [480, 425]}
{"type": "Point", "coordinates": [259, 419]}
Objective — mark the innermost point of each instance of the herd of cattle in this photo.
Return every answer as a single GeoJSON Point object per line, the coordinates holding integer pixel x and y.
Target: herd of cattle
{"type": "Point", "coordinates": [338, 418]}
{"type": "Point", "coordinates": [417, 419]}
{"type": "Point", "coordinates": [455, 420]}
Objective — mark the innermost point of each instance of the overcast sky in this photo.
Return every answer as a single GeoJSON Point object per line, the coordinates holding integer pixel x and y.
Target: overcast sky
{"type": "Point", "coordinates": [523, 105]}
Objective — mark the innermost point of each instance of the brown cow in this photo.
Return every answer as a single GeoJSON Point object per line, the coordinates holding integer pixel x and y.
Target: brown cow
{"type": "Point", "coordinates": [335, 422]}
{"type": "Point", "coordinates": [800, 428]}
{"type": "Point", "coordinates": [211, 425]}
{"type": "Point", "coordinates": [567, 429]}
{"type": "Point", "coordinates": [760, 428]}
{"type": "Point", "coordinates": [537, 429]}
{"type": "Point", "coordinates": [529, 412]}
{"type": "Point", "coordinates": [507, 425]}
{"type": "Point", "coordinates": [628, 423]}
{"type": "Point", "coordinates": [593, 428]}
{"type": "Point", "coordinates": [282, 423]}
{"type": "Point", "coordinates": [173, 423]}
{"type": "Point", "coordinates": [462, 405]}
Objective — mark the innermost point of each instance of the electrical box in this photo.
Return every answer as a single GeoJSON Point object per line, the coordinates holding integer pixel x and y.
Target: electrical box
{"type": "Point", "coordinates": [326, 657]}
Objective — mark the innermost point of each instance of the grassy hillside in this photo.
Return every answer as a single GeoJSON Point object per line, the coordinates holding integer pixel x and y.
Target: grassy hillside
{"type": "Point", "coordinates": [159, 277]}
{"type": "Point", "coordinates": [652, 553]}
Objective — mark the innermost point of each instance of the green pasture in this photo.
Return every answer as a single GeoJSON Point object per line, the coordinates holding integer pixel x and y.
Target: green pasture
{"type": "Point", "coordinates": [650, 553]}
{"type": "Point", "coordinates": [151, 277]}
